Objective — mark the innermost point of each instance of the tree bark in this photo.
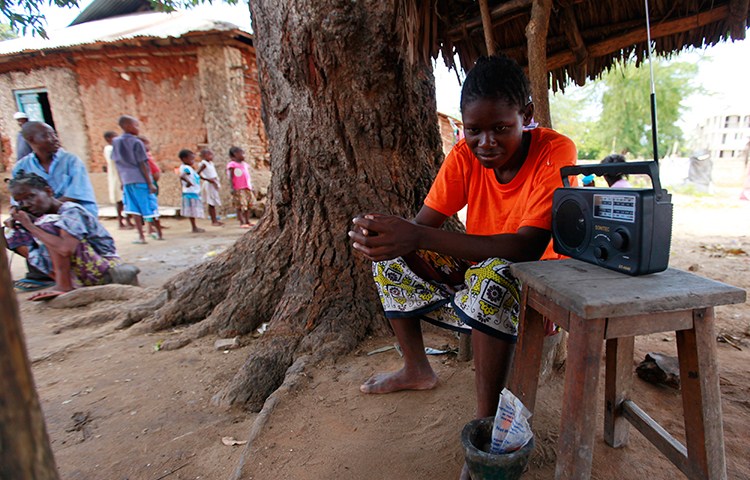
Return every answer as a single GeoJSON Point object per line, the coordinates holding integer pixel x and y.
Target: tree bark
{"type": "Point", "coordinates": [25, 451]}
{"type": "Point", "coordinates": [352, 128]}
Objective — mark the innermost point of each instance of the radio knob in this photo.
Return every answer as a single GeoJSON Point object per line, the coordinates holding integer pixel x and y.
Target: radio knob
{"type": "Point", "coordinates": [600, 253]}
{"type": "Point", "coordinates": [620, 240]}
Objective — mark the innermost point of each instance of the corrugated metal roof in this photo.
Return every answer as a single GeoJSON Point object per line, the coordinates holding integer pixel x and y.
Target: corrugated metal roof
{"type": "Point", "coordinates": [101, 9]}
{"type": "Point", "coordinates": [115, 29]}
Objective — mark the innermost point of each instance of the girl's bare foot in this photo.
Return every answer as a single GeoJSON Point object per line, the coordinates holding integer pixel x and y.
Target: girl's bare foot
{"type": "Point", "coordinates": [198, 230]}
{"type": "Point", "coordinates": [47, 294]}
{"type": "Point", "coordinates": [400, 380]}
{"type": "Point", "coordinates": [217, 224]}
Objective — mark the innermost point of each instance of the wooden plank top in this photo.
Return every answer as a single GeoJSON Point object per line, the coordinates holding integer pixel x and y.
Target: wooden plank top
{"type": "Point", "coordinates": [591, 291]}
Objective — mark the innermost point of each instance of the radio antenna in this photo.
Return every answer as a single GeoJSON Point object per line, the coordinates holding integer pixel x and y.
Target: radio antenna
{"type": "Point", "coordinates": [653, 88]}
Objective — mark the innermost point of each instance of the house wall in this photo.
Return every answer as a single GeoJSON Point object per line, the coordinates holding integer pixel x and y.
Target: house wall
{"type": "Point", "coordinates": [160, 87]}
{"type": "Point", "coordinates": [67, 108]}
{"type": "Point", "coordinates": [447, 132]}
{"type": "Point", "coordinates": [258, 147]}
{"type": "Point", "coordinates": [229, 89]}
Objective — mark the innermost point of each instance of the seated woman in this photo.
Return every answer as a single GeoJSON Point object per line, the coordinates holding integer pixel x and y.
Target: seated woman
{"type": "Point", "coordinates": [61, 239]}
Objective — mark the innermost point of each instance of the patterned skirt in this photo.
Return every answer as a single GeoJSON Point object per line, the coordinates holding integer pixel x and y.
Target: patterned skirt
{"type": "Point", "coordinates": [243, 199]}
{"type": "Point", "coordinates": [192, 207]}
{"type": "Point", "coordinates": [451, 293]}
{"type": "Point", "coordinates": [87, 266]}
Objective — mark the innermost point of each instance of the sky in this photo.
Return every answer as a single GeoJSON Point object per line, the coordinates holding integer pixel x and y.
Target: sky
{"type": "Point", "coordinates": [724, 70]}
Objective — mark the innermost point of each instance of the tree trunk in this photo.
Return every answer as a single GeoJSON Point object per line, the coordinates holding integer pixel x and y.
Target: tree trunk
{"type": "Point", "coordinates": [24, 445]}
{"type": "Point", "coordinates": [352, 128]}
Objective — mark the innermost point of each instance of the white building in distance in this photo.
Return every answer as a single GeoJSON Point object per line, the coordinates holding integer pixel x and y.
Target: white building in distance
{"type": "Point", "coordinates": [725, 135]}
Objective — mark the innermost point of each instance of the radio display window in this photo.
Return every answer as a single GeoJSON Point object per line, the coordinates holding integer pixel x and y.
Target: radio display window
{"type": "Point", "coordinates": [615, 207]}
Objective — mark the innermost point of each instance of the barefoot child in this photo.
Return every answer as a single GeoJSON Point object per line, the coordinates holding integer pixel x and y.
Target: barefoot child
{"type": "Point", "coordinates": [62, 239]}
{"type": "Point", "coordinates": [192, 207]}
{"type": "Point", "coordinates": [506, 175]}
{"type": "Point", "coordinates": [242, 186]}
{"type": "Point", "coordinates": [154, 227]}
{"type": "Point", "coordinates": [131, 158]}
{"type": "Point", "coordinates": [210, 186]}
{"type": "Point", "coordinates": [113, 183]}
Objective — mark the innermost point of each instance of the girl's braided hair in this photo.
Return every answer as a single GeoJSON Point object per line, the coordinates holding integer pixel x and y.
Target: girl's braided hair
{"type": "Point", "coordinates": [30, 179]}
{"type": "Point", "coordinates": [497, 77]}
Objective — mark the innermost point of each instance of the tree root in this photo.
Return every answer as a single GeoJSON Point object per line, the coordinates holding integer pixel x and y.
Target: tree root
{"type": "Point", "coordinates": [263, 372]}
{"type": "Point", "coordinates": [95, 317]}
{"type": "Point", "coordinates": [123, 315]}
{"type": "Point", "coordinates": [294, 375]}
{"type": "Point", "coordinates": [87, 295]}
{"type": "Point", "coordinates": [136, 313]}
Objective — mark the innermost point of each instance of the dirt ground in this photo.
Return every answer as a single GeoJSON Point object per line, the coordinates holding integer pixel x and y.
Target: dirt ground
{"type": "Point", "coordinates": [118, 408]}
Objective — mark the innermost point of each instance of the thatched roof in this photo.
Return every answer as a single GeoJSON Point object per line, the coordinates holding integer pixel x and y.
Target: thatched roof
{"type": "Point", "coordinates": [585, 37]}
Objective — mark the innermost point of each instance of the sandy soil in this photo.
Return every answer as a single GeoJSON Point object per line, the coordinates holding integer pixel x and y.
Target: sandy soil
{"type": "Point", "coordinates": [117, 408]}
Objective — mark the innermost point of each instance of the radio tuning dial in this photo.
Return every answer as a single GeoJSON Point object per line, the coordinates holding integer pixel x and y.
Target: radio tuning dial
{"type": "Point", "coordinates": [620, 239]}
{"type": "Point", "coordinates": [600, 253]}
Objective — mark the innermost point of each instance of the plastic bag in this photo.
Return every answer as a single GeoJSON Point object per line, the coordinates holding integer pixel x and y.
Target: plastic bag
{"type": "Point", "coordinates": [511, 429]}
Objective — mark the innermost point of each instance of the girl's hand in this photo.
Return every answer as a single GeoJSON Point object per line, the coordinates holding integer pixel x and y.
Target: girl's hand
{"type": "Point", "coordinates": [383, 237]}
{"type": "Point", "coordinates": [23, 218]}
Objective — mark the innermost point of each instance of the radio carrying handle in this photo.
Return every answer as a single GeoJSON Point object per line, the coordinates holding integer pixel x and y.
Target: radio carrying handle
{"type": "Point", "coordinates": [628, 168]}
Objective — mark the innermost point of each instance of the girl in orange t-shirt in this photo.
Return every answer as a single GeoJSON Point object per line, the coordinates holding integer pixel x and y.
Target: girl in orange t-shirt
{"type": "Point", "coordinates": [505, 174]}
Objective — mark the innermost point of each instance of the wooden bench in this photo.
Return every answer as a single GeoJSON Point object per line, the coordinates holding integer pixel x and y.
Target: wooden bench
{"type": "Point", "coordinates": [595, 305]}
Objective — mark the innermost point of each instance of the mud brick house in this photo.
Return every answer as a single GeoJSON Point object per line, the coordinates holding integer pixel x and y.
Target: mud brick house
{"type": "Point", "coordinates": [192, 82]}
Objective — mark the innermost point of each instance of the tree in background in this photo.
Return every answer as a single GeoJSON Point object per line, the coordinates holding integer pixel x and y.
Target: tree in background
{"type": "Point", "coordinates": [613, 114]}
{"type": "Point", "coordinates": [6, 33]}
{"type": "Point", "coordinates": [576, 115]}
{"type": "Point", "coordinates": [625, 122]}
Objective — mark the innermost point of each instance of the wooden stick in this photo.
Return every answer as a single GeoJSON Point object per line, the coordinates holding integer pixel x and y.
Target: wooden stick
{"type": "Point", "coordinates": [25, 451]}
{"type": "Point", "coordinates": [489, 38]}
{"type": "Point", "coordinates": [497, 12]}
{"type": "Point", "coordinates": [536, 38]}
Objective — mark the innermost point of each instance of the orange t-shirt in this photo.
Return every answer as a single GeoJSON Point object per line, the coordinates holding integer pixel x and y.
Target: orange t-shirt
{"type": "Point", "coordinates": [494, 208]}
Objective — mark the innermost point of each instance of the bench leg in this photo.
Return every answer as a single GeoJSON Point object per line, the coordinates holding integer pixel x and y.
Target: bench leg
{"type": "Point", "coordinates": [524, 377]}
{"type": "Point", "coordinates": [575, 447]}
{"type": "Point", "coordinates": [701, 397]}
{"type": "Point", "coordinates": [617, 385]}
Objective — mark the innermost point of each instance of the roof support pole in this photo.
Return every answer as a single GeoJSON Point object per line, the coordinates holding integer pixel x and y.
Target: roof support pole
{"type": "Point", "coordinates": [536, 39]}
{"type": "Point", "coordinates": [737, 16]}
{"type": "Point", "coordinates": [489, 38]}
{"type": "Point", "coordinates": [25, 451]}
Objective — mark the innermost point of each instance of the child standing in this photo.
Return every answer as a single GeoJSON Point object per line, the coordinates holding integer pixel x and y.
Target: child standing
{"type": "Point", "coordinates": [113, 183]}
{"type": "Point", "coordinates": [210, 187]}
{"type": "Point", "coordinates": [192, 207]}
{"type": "Point", "coordinates": [154, 227]}
{"type": "Point", "coordinates": [131, 159]}
{"type": "Point", "coordinates": [241, 184]}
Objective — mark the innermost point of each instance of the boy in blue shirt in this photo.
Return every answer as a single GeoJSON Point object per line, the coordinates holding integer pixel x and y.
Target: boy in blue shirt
{"type": "Point", "coordinates": [138, 190]}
